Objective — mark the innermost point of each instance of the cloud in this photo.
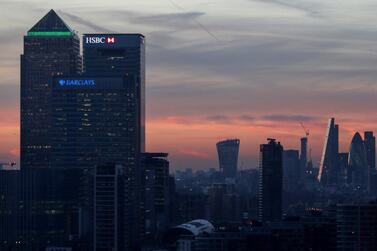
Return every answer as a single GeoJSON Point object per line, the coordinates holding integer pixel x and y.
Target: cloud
{"type": "Point", "coordinates": [311, 9]}
{"type": "Point", "coordinates": [172, 20]}
{"type": "Point", "coordinates": [89, 24]}
{"type": "Point", "coordinates": [289, 118]}
{"type": "Point", "coordinates": [219, 119]}
{"type": "Point", "coordinates": [247, 118]}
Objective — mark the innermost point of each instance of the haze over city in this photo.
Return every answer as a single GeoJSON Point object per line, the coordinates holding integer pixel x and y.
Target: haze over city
{"type": "Point", "coordinates": [224, 69]}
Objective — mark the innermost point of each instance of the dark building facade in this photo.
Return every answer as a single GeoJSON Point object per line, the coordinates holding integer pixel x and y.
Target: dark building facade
{"type": "Point", "coordinates": [51, 49]}
{"type": "Point", "coordinates": [155, 196]}
{"type": "Point", "coordinates": [123, 55]}
{"type": "Point", "coordinates": [108, 206]}
{"type": "Point", "coordinates": [227, 151]}
{"type": "Point", "coordinates": [328, 169]}
{"type": "Point", "coordinates": [303, 157]}
{"type": "Point", "coordinates": [356, 226]}
{"type": "Point", "coordinates": [291, 170]}
{"type": "Point", "coordinates": [9, 204]}
{"type": "Point", "coordinates": [270, 181]}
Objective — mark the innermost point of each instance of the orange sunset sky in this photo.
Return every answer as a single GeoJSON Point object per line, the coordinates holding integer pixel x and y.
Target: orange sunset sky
{"type": "Point", "coordinates": [247, 69]}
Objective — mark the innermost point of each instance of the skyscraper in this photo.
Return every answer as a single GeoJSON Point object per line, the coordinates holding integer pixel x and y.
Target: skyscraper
{"type": "Point", "coordinates": [328, 169]}
{"type": "Point", "coordinates": [227, 151]}
{"type": "Point", "coordinates": [71, 119]}
{"type": "Point", "coordinates": [51, 49]}
{"type": "Point", "coordinates": [119, 56]}
{"type": "Point", "coordinates": [370, 147]}
{"type": "Point", "coordinates": [358, 163]}
{"type": "Point", "coordinates": [303, 157]}
{"type": "Point", "coordinates": [270, 181]}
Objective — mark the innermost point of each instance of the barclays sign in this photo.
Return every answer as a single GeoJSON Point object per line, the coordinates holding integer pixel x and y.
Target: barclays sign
{"type": "Point", "coordinates": [76, 82]}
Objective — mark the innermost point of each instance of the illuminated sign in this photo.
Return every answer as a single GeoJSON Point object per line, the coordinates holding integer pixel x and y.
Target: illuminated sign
{"type": "Point", "coordinates": [76, 82]}
{"type": "Point", "coordinates": [100, 40]}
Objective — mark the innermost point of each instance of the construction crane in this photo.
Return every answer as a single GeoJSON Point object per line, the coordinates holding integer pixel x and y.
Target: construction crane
{"type": "Point", "coordinates": [11, 164]}
{"type": "Point", "coordinates": [307, 132]}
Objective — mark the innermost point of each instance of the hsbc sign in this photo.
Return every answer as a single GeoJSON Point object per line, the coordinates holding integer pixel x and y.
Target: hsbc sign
{"type": "Point", "coordinates": [100, 40]}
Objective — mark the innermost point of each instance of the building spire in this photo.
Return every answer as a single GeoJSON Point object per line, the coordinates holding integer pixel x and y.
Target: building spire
{"type": "Point", "coordinates": [49, 24]}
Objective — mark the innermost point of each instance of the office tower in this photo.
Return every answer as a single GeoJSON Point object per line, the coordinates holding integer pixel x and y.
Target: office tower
{"type": "Point", "coordinates": [303, 157]}
{"type": "Point", "coordinates": [291, 170]}
{"type": "Point", "coordinates": [227, 151]}
{"type": "Point", "coordinates": [108, 206]}
{"type": "Point", "coordinates": [51, 49]}
{"type": "Point", "coordinates": [358, 163]}
{"type": "Point", "coordinates": [328, 169]}
{"type": "Point", "coordinates": [123, 55]}
{"type": "Point", "coordinates": [95, 120]}
{"type": "Point", "coordinates": [119, 55]}
{"type": "Point", "coordinates": [345, 175]}
{"type": "Point", "coordinates": [356, 226]}
{"type": "Point", "coordinates": [155, 195]}
{"type": "Point", "coordinates": [370, 147]}
{"type": "Point", "coordinates": [270, 181]}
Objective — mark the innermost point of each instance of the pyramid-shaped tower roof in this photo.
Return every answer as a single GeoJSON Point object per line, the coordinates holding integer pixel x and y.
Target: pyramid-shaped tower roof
{"type": "Point", "coordinates": [51, 24]}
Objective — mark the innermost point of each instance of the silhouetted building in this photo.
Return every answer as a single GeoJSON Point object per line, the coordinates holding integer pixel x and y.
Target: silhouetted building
{"type": "Point", "coordinates": [223, 203]}
{"type": "Point", "coordinates": [54, 207]}
{"type": "Point", "coordinates": [270, 181]}
{"type": "Point", "coordinates": [228, 157]}
{"type": "Point", "coordinates": [357, 227]}
{"type": "Point", "coordinates": [108, 207]}
{"type": "Point", "coordinates": [328, 169]}
{"type": "Point", "coordinates": [358, 164]}
{"type": "Point", "coordinates": [320, 231]}
{"type": "Point", "coordinates": [122, 56]}
{"type": "Point", "coordinates": [51, 49]}
{"type": "Point", "coordinates": [370, 148]}
{"type": "Point", "coordinates": [291, 170]}
{"type": "Point", "coordinates": [155, 195]}
{"type": "Point", "coordinates": [303, 158]}
{"type": "Point", "coordinates": [9, 205]}
{"type": "Point", "coordinates": [345, 175]}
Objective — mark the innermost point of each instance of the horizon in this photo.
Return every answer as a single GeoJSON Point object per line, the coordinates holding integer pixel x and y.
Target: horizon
{"type": "Point", "coordinates": [188, 77]}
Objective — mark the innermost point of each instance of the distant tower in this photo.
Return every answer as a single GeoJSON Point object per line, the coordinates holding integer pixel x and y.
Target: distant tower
{"type": "Point", "coordinates": [270, 181]}
{"type": "Point", "coordinates": [228, 156]}
{"type": "Point", "coordinates": [303, 157]}
{"type": "Point", "coordinates": [357, 162]}
{"type": "Point", "coordinates": [370, 147]}
{"type": "Point", "coordinates": [329, 162]}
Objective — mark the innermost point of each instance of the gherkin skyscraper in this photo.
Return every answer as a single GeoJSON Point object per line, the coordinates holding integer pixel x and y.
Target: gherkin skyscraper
{"type": "Point", "coordinates": [358, 163]}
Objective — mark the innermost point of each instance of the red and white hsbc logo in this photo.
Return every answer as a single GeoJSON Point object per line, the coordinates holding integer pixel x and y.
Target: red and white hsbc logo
{"type": "Point", "coordinates": [100, 40]}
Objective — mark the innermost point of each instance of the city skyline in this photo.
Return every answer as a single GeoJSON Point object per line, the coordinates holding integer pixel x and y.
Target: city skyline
{"type": "Point", "coordinates": [189, 109]}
